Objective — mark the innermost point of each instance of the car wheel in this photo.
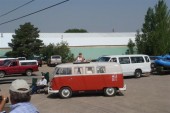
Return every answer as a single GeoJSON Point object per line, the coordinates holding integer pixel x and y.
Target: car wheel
{"type": "Point", "coordinates": [110, 91]}
{"type": "Point", "coordinates": [138, 73]}
{"type": "Point", "coordinates": [152, 65]}
{"type": "Point", "coordinates": [65, 92]}
{"type": "Point", "coordinates": [2, 74]}
{"type": "Point", "coordinates": [29, 72]}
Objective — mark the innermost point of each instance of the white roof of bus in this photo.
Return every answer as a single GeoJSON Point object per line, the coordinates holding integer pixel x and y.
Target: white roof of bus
{"type": "Point", "coordinates": [86, 64]}
{"type": "Point", "coordinates": [113, 68]}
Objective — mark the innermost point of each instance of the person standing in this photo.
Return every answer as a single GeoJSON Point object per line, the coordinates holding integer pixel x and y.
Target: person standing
{"type": "Point", "coordinates": [80, 58]}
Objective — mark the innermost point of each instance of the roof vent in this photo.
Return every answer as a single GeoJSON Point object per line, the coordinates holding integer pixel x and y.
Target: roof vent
{"type": "Point", "coordinates": [81, 62]}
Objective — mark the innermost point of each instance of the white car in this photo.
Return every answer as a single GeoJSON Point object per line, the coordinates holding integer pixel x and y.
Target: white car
{"type": "Point", "coordinates": [54, 60]}
{"type": "Point", "coordinates": [132, 65]}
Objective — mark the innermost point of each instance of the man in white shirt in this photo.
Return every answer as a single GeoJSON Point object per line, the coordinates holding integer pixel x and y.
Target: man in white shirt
{"type": "Point", "coordinates": [42, 81]}
{"type": "Point", "coordinates": [41, 84]}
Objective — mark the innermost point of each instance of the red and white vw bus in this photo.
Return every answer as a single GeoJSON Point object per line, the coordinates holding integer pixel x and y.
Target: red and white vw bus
{"type": "Point", "coordinates": [78, 77]}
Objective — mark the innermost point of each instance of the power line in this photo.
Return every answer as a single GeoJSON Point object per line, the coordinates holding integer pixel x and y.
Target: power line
{"type": "Point", "coordinates": [34, 12]}
{"type": "Point", "coordinates": [16, 8]}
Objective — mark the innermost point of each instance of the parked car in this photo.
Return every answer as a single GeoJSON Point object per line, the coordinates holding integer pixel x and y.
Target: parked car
{"type": "Point", "coordinates": [153, 58]}
{"type": "Point", "coordinates": [54, 60]}
{"type": "Point", "coordinates": [132, 65]}
{"type": "Point", "coordinates": [38, 58]}
{"type": "Point", "coordinates": [4, 60]}
{"type": "Point", "coordinates": [81, 77]}
{"type": "Point", "coordinates": [18, 67]}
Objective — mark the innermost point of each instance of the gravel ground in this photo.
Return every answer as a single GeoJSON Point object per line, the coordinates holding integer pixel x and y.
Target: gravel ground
{"type": "Point", "coordinates": [144, 95]}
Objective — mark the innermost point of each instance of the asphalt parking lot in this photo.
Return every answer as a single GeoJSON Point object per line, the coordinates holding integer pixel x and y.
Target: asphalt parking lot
{"type": "Point", "coordinates": [144, 95]}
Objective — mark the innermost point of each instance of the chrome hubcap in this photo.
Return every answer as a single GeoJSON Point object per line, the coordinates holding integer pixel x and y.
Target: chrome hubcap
{"type": "Point", "coordinates": [65, 92]}
{"type": "Point", "coordinates": [110, 91]}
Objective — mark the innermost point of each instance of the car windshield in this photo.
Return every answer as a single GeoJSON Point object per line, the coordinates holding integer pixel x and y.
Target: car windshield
{"type": "Point", "coordinates": [55, 57]}
{"type": "Point", "coordinates": [6, 62]}
{"type": "Point", "coordinates": [103, 59]}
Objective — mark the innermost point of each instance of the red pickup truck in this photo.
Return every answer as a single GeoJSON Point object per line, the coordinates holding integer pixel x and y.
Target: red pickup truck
{"type": "Point", "coordinates": [17, 67]}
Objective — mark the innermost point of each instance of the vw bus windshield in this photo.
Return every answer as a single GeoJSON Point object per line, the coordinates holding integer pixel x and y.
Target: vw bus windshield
{"type": "Point", "coordinates": [56, 72]}
{"type": "Point", "coordinates": [63, 71]}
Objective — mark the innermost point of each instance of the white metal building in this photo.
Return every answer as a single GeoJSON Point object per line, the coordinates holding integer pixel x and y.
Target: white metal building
{"type": "Point", "coordinates": [92, 45]}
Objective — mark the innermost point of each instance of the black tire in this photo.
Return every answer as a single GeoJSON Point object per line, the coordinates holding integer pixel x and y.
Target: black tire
{"type": "Point", "coordinates": [28, 72]}
{"type": "Point", "coordinates": [138, 73]}
{"type": "Point", "coordinates": [152, 65]}
{"type": "Point", "coordinates": [2, 74]}
{"type": "Point", "coordinates": [49, 65]}
{"type": "Point", "coordinates": [65, 92]}
{"type": "Point", "coordinates": [110, 91]}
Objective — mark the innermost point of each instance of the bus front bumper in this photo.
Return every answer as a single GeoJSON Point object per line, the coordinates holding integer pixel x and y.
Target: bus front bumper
{"type": "Point", "coordinates": [123, 89]}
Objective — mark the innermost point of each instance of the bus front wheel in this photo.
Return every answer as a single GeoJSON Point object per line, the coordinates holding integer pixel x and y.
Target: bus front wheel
{"type": "Point", "coordinates": [110, 91]}
{"type": "Point", "coordinates": [65, 92]}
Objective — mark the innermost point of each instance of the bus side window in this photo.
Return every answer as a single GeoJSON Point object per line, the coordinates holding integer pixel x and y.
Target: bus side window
{"type": "Point", "coordinates": [89, 70]}
{"type": "Point", "coordinates": [78, 70]}
{"type": "Point", "coordinates": [65, 71]}
{"type": "Point", "coordinates": [69, 72]}
{"type": "Point", "coordinates": [101, 69]}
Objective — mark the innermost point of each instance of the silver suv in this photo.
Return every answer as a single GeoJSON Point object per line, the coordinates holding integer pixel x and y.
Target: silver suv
{"type": "Point", "coordinates": [54, 60]}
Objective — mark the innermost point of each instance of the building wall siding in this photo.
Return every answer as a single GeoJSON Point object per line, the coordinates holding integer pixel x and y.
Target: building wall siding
{"type": "Point", "coordinates": [4, 50]}
{"type": "Point", "coordinates": [89, 53]}
{"type": "Point", "coordinates": [94, 52]}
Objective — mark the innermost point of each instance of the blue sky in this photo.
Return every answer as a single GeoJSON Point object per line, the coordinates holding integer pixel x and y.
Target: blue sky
{"type": "Point", "coordinates": [92, 15]}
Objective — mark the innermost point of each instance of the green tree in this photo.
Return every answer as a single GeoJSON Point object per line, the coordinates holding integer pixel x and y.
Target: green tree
{"type": "Point", "coordinates": [138, 42]}
{"type": "Point", "coordinates": [64, 51]}
{"type": "Point", "coordinates": [61, 49]}
{"type": "Point", "coordinates": [25, 42]}
{"type": "Point", "coordinates": [76, 31]}
{"type": "Point", "coordinates": [155, 37]}
{"type": "Point", "coordinates": [47, 51]}
{"type": "Point", "coordinates": [162, 29]}
{"type": "Point", "coordinates": [147, 35]}
{"type": "Point", "coordinates": [131, 46]}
